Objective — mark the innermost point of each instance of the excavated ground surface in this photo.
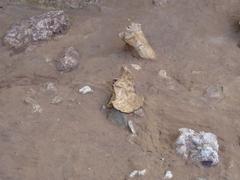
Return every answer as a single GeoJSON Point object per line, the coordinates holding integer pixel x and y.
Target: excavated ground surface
{"type": "Point", "coordinates": [196, 43]}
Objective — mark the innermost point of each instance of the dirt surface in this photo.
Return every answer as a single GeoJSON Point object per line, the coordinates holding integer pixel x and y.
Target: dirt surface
{"type": "Point", "coordinates": [196, 43]}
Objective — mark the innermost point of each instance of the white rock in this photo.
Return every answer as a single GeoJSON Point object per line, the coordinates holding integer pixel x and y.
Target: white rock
{"type": "Point", "coordinates": [131, 127]}
{"type": "Point", "coordinates": [136, 67]}
{"type": "Point", "coordinates": [200, 147]}
{"type": "Point", "coordinates": [201, 178]}
{"type": "Point", "coordinates": [168, 175]}
{"type": "Point", "coordinates": [56, 100]}
{"type": "Point", "coordinates": [137, 173]}
{"type": "Point", "coordinates": [163, 74]}
{"type": "Point", "coordinates": [35, 106]}
{"type": "Point", "coordinates": [160, 3]}
{"type": "Point", "coordinates": [50, 86]}
{"type": "Point", "coordinates": [85, 90]}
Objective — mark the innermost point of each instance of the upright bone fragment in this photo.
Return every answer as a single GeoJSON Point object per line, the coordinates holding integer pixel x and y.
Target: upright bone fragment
{"type": "Point", "coordinates": [135, 37]}
{"type": "Point", "coordinates": [124, 97]}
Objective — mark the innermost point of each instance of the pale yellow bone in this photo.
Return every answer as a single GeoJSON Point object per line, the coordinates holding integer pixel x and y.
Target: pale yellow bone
{"type": "Point", "coordinates": [135, 37]}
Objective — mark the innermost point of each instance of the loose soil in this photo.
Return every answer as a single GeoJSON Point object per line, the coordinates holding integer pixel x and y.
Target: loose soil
{"type": "Point", "coordinates": [196, 43]}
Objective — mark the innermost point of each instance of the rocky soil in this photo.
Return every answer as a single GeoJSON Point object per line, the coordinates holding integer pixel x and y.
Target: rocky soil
{"type": "Point", "coordinates": [51, 131]}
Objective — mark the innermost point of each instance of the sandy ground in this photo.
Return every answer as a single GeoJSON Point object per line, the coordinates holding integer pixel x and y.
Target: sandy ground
{"type": "Point", "coordinates": [196, 43]}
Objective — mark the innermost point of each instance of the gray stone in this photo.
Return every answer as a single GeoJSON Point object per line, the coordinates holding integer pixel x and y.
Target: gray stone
{"type": "Point", "coordinates": [79, 3]}
{"type": "Point", "coordinates": [65, 3]}
{"type": "Point", "coordinates": [139, 112]}
{"type": "Point", "coordinates": [68, 61]}
{"type": "Point", "coordinates": [117, 117]}
{"type": "Point", "coordinates": [56, 100]}
{"type": "Point", "coordinates": [214, 92]}
{"type": "Point", "coordinates": [200, 147]}
{"type": "Point", "coordinates": [159, 2]}
{"type": "Point", "coordinates": [35, 106]}
{"type": "Point", "coordinates": [86, 3]}
{"type": "Point", "coordinates": [36, 28]}
{"type": "Point", "coordinates": [201, 178]}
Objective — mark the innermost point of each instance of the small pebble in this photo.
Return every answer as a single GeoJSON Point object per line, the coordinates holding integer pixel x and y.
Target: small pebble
{"type": "Point", "coordinates": [50, 86]}
{"type": "Point", "coordinates": [85, 90]}
{"type": "Point", "coordinates": [35, 106]}
{"type": "Point", "coordinates": [136, 67]}
{"type": "Point", "coordinates": [56, 100]}
{"type": "Point", "coordinates": [29, 100]}
{"type": "Point", "coordinates": [168, 175]}
{"type": "Point", "coordinates": [214, 92]}
{"type": "Point", "coordinates": [160, 3]}
{"type": "Point", "coordinates": [163, 74]}
{"type": "Point", "coordinates": [48, 60]}
{"type": "Point", "coordinates": [137, 173]}
{"type": "Point", "coordinates": [68, 61]}
{"type": "Point", "coordinates": [131, 127]}
{"type": "Point", "coordinates": [139, 112]}
{"type": "Point", "coordinates": [201, 178]}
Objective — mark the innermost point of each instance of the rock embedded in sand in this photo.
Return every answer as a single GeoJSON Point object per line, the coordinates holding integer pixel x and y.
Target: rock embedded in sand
{"type": "Point", "coordinates": [200, 147]}
{"type": "Point", "coordinates": [137, 173]}
{"type": "Point", "coordinates": [131, 127]}
{"type": "Point", "coordinates": [163, 74]}
{"type": "Point", "coordinates": [86, 3]}
{"type": "Point", "coordinates": [68, 60]}
{"type": "Point", "coordinates": [135, 37]}
{"type": "Point", "coordinates": [214, 92]}
{"type": "Point", "coordinates": [56, 100]}
{"type": "Point", "coordinates": [136, 67]}
{"type": "Point", "coordinates": [159, 3]}
{"type": "Point", "coordinates": [168, 175]}
{"type": "Point", "coordinates": [124, 97]}
{"type": "Point", "coordinates": [85, 90]}
{"type": "Point", "coordinates": [35, 106]}
{"type": "Point", "coordinates": [117, 117]}
{"type": "Point", "coordinates": [51, 87]}
{"type": "Point", "coordinates": [201, 178]}
{"type": "Point", "coordinates": [139, 112]}
{"type": "Point", "coordinates": [36, 28]}
{"type": "Point", "coordinates": [65, 3]}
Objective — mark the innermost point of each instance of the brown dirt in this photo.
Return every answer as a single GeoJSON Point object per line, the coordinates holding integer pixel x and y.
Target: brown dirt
{"type": "Point", "coordinates": [196, 43]}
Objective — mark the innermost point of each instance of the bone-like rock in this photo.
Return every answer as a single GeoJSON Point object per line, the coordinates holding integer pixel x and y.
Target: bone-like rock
{"type": "Point", "coordinates": [135, 37]}
{"type": "Point", "coordinates": [36, 28]}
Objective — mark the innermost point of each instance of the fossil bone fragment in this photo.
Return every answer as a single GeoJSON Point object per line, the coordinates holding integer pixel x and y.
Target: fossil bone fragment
{"type": "Point", "coordinates": [135, 37]}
